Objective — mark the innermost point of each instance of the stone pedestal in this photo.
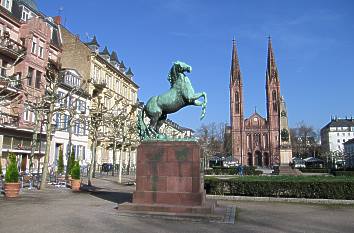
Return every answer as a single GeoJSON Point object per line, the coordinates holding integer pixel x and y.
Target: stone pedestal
{"type": "Point", "coordinates": [169, 180]}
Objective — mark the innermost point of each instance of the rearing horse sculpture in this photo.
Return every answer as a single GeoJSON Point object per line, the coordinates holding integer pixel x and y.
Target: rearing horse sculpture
{"type": "Point", "coordinates": [181, 94]}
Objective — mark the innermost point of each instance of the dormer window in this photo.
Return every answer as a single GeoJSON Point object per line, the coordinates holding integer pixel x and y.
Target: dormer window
{"type": "Point", "coordinates": [25, 14]}
{"type": "Point", "coordinates": [6, 4]}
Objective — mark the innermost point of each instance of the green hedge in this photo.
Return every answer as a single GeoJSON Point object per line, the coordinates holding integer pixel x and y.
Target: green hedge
{"type": "Point", "coordinates": [11, 175]}
{"type": "Point", "coordinates": [343, 173]}
{"type": "Point", "coordinates": [247, 170]}
{"type": "Point", "coordinates": [282, 186]}
{"type": "Point", "coordinates": [314, 170]}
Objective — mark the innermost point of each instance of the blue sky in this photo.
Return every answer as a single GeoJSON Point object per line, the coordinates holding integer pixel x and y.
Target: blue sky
{"type": "Point", "coordinates": [313, 43]}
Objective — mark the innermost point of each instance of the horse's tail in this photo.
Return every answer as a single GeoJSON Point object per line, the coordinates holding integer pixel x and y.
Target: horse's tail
{"type": "Point", "coordinates": [141, 125]}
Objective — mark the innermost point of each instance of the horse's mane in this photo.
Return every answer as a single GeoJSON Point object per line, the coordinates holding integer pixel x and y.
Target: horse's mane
{"type": "Point", "coordinates": [173, 75]}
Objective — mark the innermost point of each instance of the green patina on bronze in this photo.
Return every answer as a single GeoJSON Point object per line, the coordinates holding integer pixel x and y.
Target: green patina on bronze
{"type": "Point", "coordinates": [181, 94]}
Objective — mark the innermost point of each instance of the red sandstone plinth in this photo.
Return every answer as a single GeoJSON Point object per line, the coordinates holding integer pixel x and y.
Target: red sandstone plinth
{"type": "Point", "coordinates": [169, 179]}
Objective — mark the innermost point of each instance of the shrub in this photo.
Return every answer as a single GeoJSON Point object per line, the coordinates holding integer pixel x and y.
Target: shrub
{"type": "Point", "coordinates": [247, 170]}
{"type": "Point", "coordinates": [60, 162]}
{"type": "Point", "coordinates": [343, 173]}
{"type": "Point", "coordinates": [283, 186]}
{"type": "Point", "coordinates": [71, 161]}
{"type": "Point", "coordinates": [75, 170]}
{"type": "Point", "coordinates": [314, 170]}
{"type": "Point", "coordinates": [11, 170]}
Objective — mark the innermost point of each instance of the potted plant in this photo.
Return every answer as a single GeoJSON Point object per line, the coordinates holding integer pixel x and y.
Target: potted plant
{"type": "Point", "coordinates": [75, 176]}
{"type": "Point", "coordinates": [12, 186]}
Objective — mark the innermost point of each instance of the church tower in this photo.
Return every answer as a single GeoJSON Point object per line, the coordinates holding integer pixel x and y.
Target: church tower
{"type": "Point", "coordinates": [273, 104]}
{"type": "Point", "coordinates": [236, 106]}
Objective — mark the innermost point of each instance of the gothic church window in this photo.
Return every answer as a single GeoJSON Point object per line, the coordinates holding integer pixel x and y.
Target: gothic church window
{"type": "Point", "coordinates": [237, 103]}
{"type": "Point", "coordinates": [274, 95]}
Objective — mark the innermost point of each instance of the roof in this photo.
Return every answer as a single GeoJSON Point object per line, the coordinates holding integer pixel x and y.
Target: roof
{"type": "Point", "coordinates": [93, 41]}
{"type": "Point", "coordinates": [114, 56]}
{"type": "Point", "coordinates": [337, 122]}
{"type": "Point", "coordinates": [122, 66]}
{"type": "Point", "coordinates": [129, 72]}
{"type": "Point", "coordinates": [30, 3]}
{"type": "Point", "coordinates": [350, 141]}
{"type": "Point", "coordinates": [105, 51]}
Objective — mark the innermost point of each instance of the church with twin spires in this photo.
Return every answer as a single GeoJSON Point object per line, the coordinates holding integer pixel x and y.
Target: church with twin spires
{"type": "Point", "coordinates": [259, 141]}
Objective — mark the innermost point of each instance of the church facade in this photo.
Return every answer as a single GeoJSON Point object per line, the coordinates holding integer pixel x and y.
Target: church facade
{"type": "Point", "coordinates": [256, 140]}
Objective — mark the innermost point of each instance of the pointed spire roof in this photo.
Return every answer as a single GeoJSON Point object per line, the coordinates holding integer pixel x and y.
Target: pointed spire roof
{"type": "Point", "coordinates": [93, 42]}
{"type": "Point", "coordinates": [272, 71]}
{"type": "Point", "coordinates": [105, 51]}
{"type": "Point", "coordinates": [114, 56]}
{"type": "Point", "coordinates": [122, 66]}
{"type": "Point", "coordinates": [129, 72]}
{"type": "Point", "coordinates": [235, 66]}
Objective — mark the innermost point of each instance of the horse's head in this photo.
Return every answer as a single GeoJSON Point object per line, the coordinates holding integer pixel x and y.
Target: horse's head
{"type": "Point", "coordinates": [177, 70]}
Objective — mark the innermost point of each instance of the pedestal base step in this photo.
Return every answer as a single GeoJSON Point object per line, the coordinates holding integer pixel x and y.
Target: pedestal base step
{"type": "Point", "coordinates": [288, 171]}
{"type": "Point", "coordinates": [208, 213]}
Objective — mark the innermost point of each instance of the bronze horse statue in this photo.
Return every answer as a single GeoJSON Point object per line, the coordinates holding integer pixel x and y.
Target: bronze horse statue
{"type": "Point", "coordinates": [181, 94]}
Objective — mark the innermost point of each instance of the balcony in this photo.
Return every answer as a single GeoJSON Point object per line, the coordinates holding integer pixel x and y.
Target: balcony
{"type": "Point", "coordinates": [9, 120]}
{"type": "Point", "coordinates": [11, 48]}
{"type": "Point", "coordinates": [9, 85]}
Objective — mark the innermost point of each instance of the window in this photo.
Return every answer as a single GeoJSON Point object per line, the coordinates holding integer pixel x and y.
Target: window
{"type": "Point", "coordinates": [6, 4]}
{"type": "Point", "coordinates": [26, 113]}
{"type": "Point", "coordinates": [274, 94]}
{"type": "Point", "coordinates": [30, 76]}
{"type": "Point", "coordinates": [118, 86]}
{"type": "Point", "coordinates": [337, 134]}
{"type": "Point", "coordinates": [237, 103]}
{"type": "Point", "coordinates": [38, 79]}
{"type": "Point", "coordinates": [83, 153]}
{"type": "Point", "coordinates": [3, 68]}
{"type": "Point", "coordinates": [34, 45]}
{"type": "Point", "coordinates": [338, 140]}
{"type": "Point", "coordinates": [40, 49]}
{"type": "Point", "coordinates": [57, 120]}
{"type": "Point", "coordinates": [343, 140]}
{"type": "Point", "coordinates": [26, 14]}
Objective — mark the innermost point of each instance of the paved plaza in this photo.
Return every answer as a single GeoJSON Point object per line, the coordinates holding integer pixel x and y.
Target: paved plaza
{"type": "Point", "coordinates": [60, 210]}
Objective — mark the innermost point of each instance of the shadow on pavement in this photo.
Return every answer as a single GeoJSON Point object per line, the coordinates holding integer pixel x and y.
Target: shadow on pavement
{"type": "Point", "coordinates": [116, 197]}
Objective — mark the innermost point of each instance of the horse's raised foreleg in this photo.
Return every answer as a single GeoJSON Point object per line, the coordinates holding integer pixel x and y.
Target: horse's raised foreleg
{"type": "Point", "coordinates": [196, 102]}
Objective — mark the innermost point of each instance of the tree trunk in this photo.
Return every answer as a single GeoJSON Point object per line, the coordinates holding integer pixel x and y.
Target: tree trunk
{"type": "Point", "coordinates": [92, 164]}
{"type": "Point", "coordinates": [120, 165]}
{"type": "Point", "coordinates": [68, 150]}
{"type": "Point", "coordinates": [114, 157]}
{"type": "Point", "coordinates": [34, 142]}
{"type": "Point", "coordinates": [47, 147]}
{"type": "Point", "coordinates": [128, 165]}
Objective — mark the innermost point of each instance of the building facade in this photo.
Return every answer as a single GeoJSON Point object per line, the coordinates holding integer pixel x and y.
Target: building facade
{"type": "Point", "coordinates": [111, 87]}
{"type": "Point", "coordinates": [259, 141]}
{"type": "Point", "coordinates": [29, 40]}
{"type": "Point", "coordinates": [349, 153]}
{"type": "Point", "coordinates": [71, 121]}
{"type": "Point", "coordinates": [335, 133]}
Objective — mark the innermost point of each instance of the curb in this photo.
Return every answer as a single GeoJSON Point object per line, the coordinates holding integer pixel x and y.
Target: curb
{"type": "Point", "coordinates": [279, 199]}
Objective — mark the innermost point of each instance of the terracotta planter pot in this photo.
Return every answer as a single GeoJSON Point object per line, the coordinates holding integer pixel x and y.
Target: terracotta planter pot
{"type": "Point", "coordinates": [75, 185]}
{"type": "Point", "coordinates": [12, 189]}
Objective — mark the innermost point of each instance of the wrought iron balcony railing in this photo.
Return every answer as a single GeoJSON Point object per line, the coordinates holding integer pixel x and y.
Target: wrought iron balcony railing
{"type": "Point", "coordinates": [9, 84]}
{"type": "Point", "coordinates": [9, 120]}
{"type": "Point", "coordinates": [11, 48]}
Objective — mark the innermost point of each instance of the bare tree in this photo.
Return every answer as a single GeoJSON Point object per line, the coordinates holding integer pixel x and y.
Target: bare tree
{"type": "Point", "coordinates": [304, 140]}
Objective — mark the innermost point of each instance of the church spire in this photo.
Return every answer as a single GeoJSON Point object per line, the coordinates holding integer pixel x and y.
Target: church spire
{"type": "Point", "coordinates": [235, 66]}
{"type": "Point", "coordinates": [272, 71]}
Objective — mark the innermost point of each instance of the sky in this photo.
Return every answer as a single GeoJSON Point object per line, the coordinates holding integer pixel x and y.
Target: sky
{"type": "Point", "coordinates": [313, 42]}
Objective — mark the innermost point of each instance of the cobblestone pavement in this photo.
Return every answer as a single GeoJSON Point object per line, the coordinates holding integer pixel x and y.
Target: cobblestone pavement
{"type": "Point", "coordinates": [60, 210]}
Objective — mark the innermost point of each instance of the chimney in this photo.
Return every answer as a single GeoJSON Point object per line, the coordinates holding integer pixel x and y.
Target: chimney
{"type": "Point", "coordinates": [57, 20]}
